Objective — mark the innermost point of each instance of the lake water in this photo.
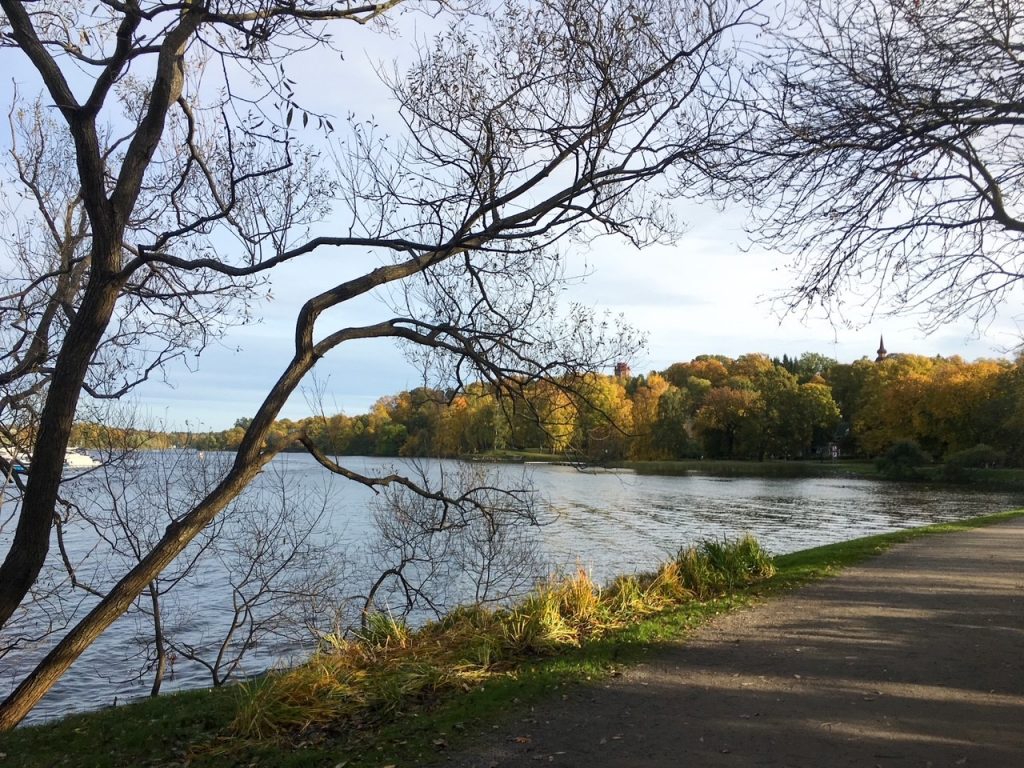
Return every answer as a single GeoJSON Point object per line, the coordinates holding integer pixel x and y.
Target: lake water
{"type": "Point", "coordinates": [607, 522]}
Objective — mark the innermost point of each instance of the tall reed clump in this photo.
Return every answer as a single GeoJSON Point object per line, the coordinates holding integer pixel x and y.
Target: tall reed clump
{"type": "Point", "coordinates": [388, 667]}
{"type": "Point", "coordinates": [715, 567]}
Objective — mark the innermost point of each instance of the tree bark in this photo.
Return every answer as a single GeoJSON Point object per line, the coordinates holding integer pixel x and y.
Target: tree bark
{"type": "Point", "coordinates": [32, 536]}
{"type": "Point", "coordinates": [248, 462]}
{"type": "Point", "coordinates": [158, 640]}
{"type": "Point", "coordinates": [107, 220]}
{"type": "Point", "coordinates": [119, 599]}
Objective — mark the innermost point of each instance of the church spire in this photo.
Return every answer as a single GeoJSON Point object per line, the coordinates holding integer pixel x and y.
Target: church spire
{"type": "Point", "coordinates": [882, 352]}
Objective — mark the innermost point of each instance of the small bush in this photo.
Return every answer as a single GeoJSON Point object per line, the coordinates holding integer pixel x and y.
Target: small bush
{"type": "Point", "coordinates": [902, 460]}
{"type": "Point", "coordinates": [980, 456]}
{"type": "Point", "coordinates": [580, 604]}
{"type": "Point", "coordinates": [536, 625]}
{"type": "Point", "coordinates": [384, 630]}
{"type": "Point", "coordinates": [626, 597]}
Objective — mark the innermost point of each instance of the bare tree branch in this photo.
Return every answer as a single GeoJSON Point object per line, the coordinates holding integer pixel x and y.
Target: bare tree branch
{"type": "Point", "coordinates": [887, 153]}
{"type": "Point", "coordinates": [522, 131]}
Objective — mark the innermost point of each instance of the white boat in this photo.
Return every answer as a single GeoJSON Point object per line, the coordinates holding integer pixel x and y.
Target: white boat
{"type": "Point", "coordinates": [76, 458]}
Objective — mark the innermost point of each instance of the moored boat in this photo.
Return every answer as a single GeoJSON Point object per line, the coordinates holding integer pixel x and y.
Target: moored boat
{"type": "Point", "coordinates": [76, 458]}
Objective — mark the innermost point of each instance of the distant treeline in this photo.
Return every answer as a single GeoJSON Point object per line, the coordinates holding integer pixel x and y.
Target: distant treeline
{"type": "Point", "coordinates": [751, 407]}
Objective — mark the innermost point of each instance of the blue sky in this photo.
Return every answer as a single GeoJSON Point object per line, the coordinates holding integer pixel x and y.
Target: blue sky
{"type": "Point", "coordinates": [706, 294]}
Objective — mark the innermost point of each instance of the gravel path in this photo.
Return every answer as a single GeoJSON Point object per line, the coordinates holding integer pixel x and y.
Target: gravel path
{"type": "Point", "coordinates": [914, 659]}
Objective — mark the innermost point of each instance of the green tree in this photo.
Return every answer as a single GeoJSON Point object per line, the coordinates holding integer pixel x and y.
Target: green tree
{"type": "Point", "coordinates": [902, 460]}
{"type": "Point", "coordinates": [776, 388]}
{"type": "Point", "coordinates": [848, 385]}
{"type": "Point", "coordinates": [806, 415]}
{"type": "Point", "coordinates": [811, 364]}
{"type": "Point", "coordinates": [646, 400]}
{"type": "Point", "coordinates": [729, 423]}
{"type": "Point", "coordinates": [672, 428]}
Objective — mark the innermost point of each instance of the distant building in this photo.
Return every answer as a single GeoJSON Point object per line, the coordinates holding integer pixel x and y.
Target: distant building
{"type": "Point", "coordinates": [622, 371]}
{"type": "Point", "coordinates": [882, 351]}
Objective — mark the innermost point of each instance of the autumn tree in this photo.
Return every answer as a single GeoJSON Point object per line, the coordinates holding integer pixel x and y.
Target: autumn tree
{"type": "Point", "coordinates": [713, 369]}
{"type": "Point", "coordinates": [172, 163]}
{"type": "Point", "coordinates": [944, 405]}
{"type": "Point", "coordinates": [888, 411]}
{"type": "Point", "coordinates": [646, 401]}
{"type": "Point", "coordinates": [759, 410]}
{"type": "Point", "coordinates": [673, 425]}
{"type": "Point", "coordinates": [1003, 412]}
{"type": "Point", "coordinates": [486, 428]}
{"type": "Point", "coordinates": [604, 417]}
{"type": "Point", "coordinates": [547, 417]}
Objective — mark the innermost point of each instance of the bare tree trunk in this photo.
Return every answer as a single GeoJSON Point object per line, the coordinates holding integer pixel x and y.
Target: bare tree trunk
{"type": "Point", "coordinates": [31, 542]}
{"type": "Point", "coordinates": [481, 196]}
{"type": "Point", "coordinates": [108, 217]}
{"type": "Point", "coordinates": [248, 463]}
{"type": "Point", "coordinates": [158, 640]}
{"type": "Point", "coordinates": [120, 598]}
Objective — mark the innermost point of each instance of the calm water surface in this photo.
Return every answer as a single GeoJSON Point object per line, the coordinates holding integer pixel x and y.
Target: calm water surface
{"type": "Point", "coordinates": [608, 522]}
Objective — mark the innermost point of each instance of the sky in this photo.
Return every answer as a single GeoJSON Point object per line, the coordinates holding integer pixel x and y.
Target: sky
{"type": "Point", "coordinates": [706, 294]}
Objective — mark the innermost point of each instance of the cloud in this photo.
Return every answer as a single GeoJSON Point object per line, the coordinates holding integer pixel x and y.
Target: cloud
{"type": "Point", "coordinates": [704, 296]}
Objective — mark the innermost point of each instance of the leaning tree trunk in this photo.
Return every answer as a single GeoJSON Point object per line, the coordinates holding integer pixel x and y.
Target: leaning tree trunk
{"type": "Point", "coordinates": [119, 599]}
{"type": "Point", "coordinates": [248, 462]}
{"type": "Point", "coordinates": [31, 541]}
{"type": "Point", "coordinates": [108, 216]}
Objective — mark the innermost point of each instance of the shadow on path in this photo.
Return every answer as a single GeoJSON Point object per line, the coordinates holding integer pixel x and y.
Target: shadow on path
{"type": "Point", "coordinates": [915, 659]}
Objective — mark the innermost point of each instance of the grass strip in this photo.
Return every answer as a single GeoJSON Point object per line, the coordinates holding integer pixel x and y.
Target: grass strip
{"type": "Point", "coordinates": [362, 681]}
{"type": "Point", "coordinates": [765, 469]}
{"type": "Point", "coordinates": [196, 728]}
{"type": "Point", "coordinates": [1002, 479]}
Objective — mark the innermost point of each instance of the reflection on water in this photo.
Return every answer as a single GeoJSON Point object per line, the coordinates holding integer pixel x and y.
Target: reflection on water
{"type": "Point", "coordinates": [641, 519]}
{"type": "Point", "coordinates": [609, 523]}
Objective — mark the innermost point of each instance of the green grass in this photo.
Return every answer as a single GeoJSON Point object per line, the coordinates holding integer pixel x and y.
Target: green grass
{"type": "Point", "coordinates": [151, 732]}
{"type": "Point", "coordinates": [514, 456]}
{"type": "Point", "coordinates": [389, 669]}
{"type": "Point", "coordinates": [195, 728]}
{"type": "Point", "coordinates": [980, 479]}
{"type": "Point", "coordinates": [724, 468]}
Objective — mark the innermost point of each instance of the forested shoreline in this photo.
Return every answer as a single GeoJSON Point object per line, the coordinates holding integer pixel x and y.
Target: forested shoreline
{"type": "Point", "coordinates": [753, 407]}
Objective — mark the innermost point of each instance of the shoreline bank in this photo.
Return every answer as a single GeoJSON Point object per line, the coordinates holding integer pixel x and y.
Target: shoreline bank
{"type": "Point", "coordinates": [155, 730]}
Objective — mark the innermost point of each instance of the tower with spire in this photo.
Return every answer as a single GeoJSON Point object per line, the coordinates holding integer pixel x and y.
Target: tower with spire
{"type": "Point", "coordinates": [882, 351]}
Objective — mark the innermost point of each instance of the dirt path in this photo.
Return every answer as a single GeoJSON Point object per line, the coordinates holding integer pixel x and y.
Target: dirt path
{"type": "Point", "coordinates": [915, 659]}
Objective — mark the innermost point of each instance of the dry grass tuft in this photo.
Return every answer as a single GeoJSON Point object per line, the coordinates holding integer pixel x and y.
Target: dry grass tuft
{"type": "Point", "coordinates": [389, 667]}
